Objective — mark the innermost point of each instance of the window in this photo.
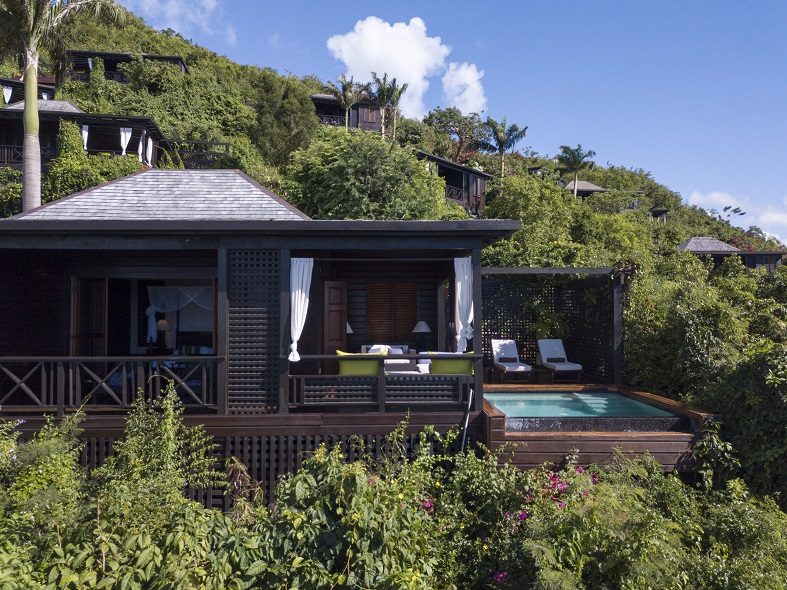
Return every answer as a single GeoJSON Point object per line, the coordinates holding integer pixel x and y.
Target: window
{"type": "Point", "coordinates": [392, 311]}
{"type": "Point", "coordinates": [369, 114]}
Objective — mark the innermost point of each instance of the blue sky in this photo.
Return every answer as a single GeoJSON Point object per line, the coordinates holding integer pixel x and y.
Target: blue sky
{"type": "Point", "coordinates": [694, 92]}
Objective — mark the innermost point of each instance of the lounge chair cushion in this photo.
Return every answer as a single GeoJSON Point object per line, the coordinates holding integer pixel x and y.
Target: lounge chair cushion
{"type": "Point", "coordinates": [358, 367]}
{"type": "Point", "coordinates": [458, 366]}
{"type": "Point", "coordinates": [554, 356]}
{"type": "Point", "coordinates": [561, 367]}
{"type": "Point", "coordinates": [515, 367]}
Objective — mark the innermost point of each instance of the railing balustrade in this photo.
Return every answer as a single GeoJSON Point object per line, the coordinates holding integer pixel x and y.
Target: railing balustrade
{"type": "Point", "coordinates": [11, 155]}
{"type": "Point", "coordinates": [455, 194]}
{"type": "Point", "coordinates": [62, 383]}
{"type": "Point", "coordinates": [382, 388]}
{"type": "Point", "coordinates": [334, 120]}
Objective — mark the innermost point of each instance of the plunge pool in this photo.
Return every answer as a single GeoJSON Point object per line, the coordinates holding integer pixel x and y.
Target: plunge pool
{"type": "Point", "coordinates": [596, 410]}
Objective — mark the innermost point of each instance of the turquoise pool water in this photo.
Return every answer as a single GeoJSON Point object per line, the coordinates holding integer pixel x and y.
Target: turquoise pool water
{"type": "Point", "coordinates": [570, 404]}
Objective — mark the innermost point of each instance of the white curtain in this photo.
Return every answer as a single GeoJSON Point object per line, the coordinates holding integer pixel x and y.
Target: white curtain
{"type": "Point", "coordinates": [463, 307]}
{"type": "Point", "coordinates": [141, 144]}
{"type": "Point", "coordinates": [45, 95]}
{"type": "Point", "coordinates": [300, 282]}
{"type": "Point", "coordinates": [7, 94]}
{"type": "Point", "coordinates": [85, 129]}
{"type": "Point", "coordinates": [168, 300]}
{"type": "Point", "coordinates": [90, 63]}
{"type": "Point", "coordinates": [149, 152]}
{"type": "Point", "coordinates": [125, 137]}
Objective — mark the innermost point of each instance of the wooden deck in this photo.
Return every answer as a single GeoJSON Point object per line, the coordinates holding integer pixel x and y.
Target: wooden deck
{"type": "Point", "coordinates": [530, 449]}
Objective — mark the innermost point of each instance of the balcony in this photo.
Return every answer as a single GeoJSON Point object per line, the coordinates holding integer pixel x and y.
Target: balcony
{"type": "Point", "coordinates": [59, 384]}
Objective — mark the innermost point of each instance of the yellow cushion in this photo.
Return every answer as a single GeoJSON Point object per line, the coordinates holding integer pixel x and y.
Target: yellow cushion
{"type": "Point", "coordinates": [457, 366]}
{"type": "Point", "coordinates": [369, 367]}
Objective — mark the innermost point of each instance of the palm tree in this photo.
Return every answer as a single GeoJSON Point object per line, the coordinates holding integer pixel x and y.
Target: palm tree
{"type": "Point", "coordinates": [347, 93]}
{"type": "Point", "coordinates": [27, 27]}
{"type": "Point", "coordinates": [386, 95]}
{"type": "Point", "coordinates": [574, 161]}
{"type": "Point", "coordinates": [503, 137]}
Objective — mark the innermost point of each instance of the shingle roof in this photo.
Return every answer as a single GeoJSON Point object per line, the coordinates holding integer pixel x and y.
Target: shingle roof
{"type": "Point", "coordinates": [48, 106]}
{"type": "Point", "coordinates": [185, 195]}
{"type": "Point", "coordinates": [699, 245]}
{"type": "Point", "coordinates": [584, 185]}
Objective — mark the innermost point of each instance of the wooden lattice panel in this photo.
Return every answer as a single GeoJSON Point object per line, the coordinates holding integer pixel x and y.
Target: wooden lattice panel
{"type": "Point", "coordinates": [254, 335]}
{"type": "Point", "coordinates": [514, 305]}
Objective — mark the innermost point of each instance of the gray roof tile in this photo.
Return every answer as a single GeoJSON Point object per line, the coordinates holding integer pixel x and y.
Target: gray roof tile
{"type": "Point", "coordinates": [48, 106]}
{"type": "Point", "coordinates": [705, 244]}
{"type": "Point", "coordinates": [188, 195]}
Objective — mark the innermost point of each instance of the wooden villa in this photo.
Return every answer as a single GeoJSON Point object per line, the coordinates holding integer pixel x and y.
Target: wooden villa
{"type": "Point", "coordinates": [14, 90]}
{"type": "Point", "coordinates": [363, 115]}
{"type": "Point", "coordinates": [108, 135]}
{"type": "Point", "coordinates": [209, 280]}
{"type": "Point", "coordinates": [719, 251]}
{"type": "Point", "coordinates": [187, 275]}
{"type": "Point", "coordinates": [81, 63]}
{"type": "Point", "coordinates": [464, 185]}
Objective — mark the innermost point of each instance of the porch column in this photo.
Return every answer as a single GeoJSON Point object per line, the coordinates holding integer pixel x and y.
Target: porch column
{"type": "Point", "coordinates": [478, 385]}
{"type": "Point", "coordinates": [284, 331]}
{"type": "Point", "coordinates": [222, 343]}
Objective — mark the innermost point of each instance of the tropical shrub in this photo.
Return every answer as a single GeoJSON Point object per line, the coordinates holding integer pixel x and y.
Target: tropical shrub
{"type": "Point", "coordinates": [359, 175]}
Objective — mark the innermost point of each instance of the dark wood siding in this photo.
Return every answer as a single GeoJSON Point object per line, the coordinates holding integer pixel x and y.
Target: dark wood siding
{"type": "Point", "coordinates": [35, 314]}
{"type": "Point", "coordinates": [253, 353]}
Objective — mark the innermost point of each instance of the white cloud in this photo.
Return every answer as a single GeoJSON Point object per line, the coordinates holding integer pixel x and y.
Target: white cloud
{"type": "Point", "coordinates": [403, 50]}
{"type": "Point", "coordinates": [768, 217]}
{"type": "Point", "coordinates": [183, 16]}
{"type": "Point", "coordinates": [462, 88]}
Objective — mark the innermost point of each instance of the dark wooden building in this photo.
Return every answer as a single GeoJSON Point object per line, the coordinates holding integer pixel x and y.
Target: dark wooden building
{"type": "Point", "coordinates": [14, 90]}
{"type": "Point", "coordinates": [719, 251]}
{"type": "Point", "coordinates": [101, 134]}
{"type": "Point", "coordinates": [363, 115]}
{"type": "Point", "coordinates": [464, 185]}
{"type": "Point", "coordinates": [81, 63]}
{"type": "Point", "coordinates": [187, 275]}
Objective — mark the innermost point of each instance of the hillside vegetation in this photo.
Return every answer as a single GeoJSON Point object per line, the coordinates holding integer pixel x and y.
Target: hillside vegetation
{"type": "Point", "coordinates": [713, 338]}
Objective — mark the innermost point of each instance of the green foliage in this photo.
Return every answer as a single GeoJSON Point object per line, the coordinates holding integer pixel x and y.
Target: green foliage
{"type": "Point", "coordinates": [436, 520]}
{"type": "Point", "coordinates": [155, 463]}
{"type": "Point", "coordinates": [546, 213]}
{"type": "Point", "coordinates": [358, 175]}
{"type": "Point", "coordinates": [10, 192]}
{"type": "Point", "coordinates": [286, 119]}
{"type": "Point", "coordinates": [456, 136]}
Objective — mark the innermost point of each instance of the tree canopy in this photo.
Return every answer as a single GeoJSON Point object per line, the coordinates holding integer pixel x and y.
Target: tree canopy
{"type": "Point", "coordinates": [359, 175]}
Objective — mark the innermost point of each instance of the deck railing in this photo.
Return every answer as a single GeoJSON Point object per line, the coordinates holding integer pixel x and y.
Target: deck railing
{"type": "Point", "coordinates": [455, 194]}
{"type": "Point", "coordinates": [412, 389]}
{"type": "Point", "coordinates": [63, 383]}
{"type": "Point", "coordinates": [334, 120]}
{"type": "Point", "coordinates": [12, 155]}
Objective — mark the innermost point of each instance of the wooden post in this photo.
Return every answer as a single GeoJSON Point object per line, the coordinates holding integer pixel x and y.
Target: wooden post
{"type": "Point", "coordinates": [222, 336]}
{"type": "Point", "coordinates": [478, 386]}
{"type": "Point", "coordinates": [381, 384]}
{"type": "Point", "coordinates": [60, 384]}
{"type": "Point", "coordinates": [284, 325]}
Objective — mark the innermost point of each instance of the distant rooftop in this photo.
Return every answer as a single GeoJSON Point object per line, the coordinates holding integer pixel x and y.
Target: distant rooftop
{"type": "Point", "coordinates": [583, 186]}
{"type": "Point", "coordinates": [186, 195]}
{"type": "Point", "coordinates": [48, 106]}
{"type": "Point", "coordinates": [699, 245]}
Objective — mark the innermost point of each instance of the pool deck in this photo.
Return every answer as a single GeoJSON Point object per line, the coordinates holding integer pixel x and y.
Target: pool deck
{"type": "Point", "coordinates": [530, 449]}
